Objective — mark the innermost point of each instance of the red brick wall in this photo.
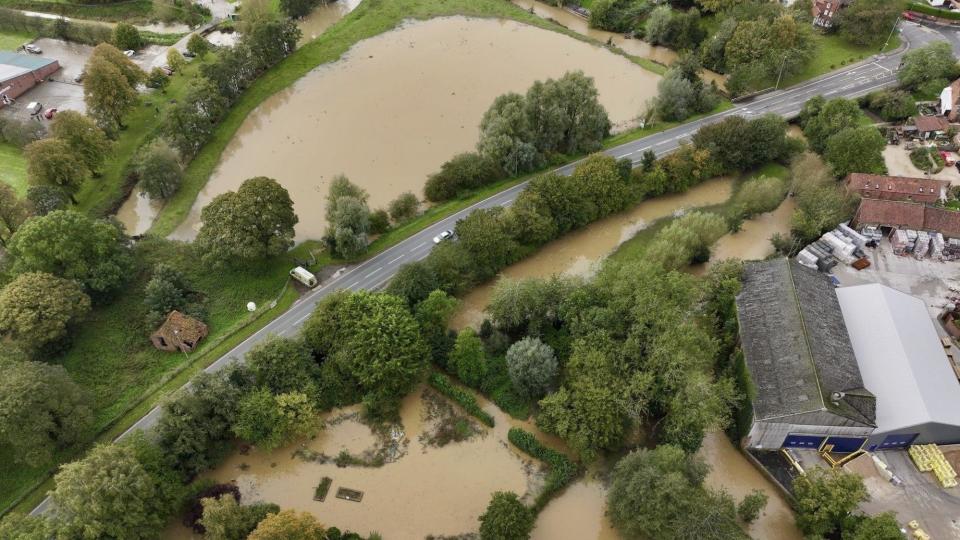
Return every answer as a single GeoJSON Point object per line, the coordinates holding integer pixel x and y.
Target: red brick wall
{"type": "Point", "coordinates": [28, 80]}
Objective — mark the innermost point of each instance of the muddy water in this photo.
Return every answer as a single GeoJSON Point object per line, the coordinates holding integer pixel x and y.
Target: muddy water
{"type": "Point", "coordinates": [731, 471]}
{"type": "Point", "coordinates": [579, 253]}
{"type": "Point", "coordinates": [427, 490]}
{"type": "Point", "coordinates": [324, 17]}
{"type": "Point", "coordinates": [137, 213]}
{"type": "Point", "coordinates": [400, 104]}
{"type": "Point", "coordinates": [752, 241]}
{"type": "Point", "coordinates": [579, 513]}
{"type": "Point", "coordinates": [633, 47]}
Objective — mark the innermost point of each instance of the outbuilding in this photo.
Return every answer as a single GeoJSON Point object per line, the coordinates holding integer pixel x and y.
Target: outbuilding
{"type": "Point", "coordinates": [179, 332]}
{"type": "Point", "coordinates": [902, 362]}
{"type": "Point", "coordinates": [20, 72]}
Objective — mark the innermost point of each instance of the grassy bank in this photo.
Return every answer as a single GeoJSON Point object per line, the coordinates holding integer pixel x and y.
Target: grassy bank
{"type": "Point", "coordinates": [833, 52]}
{"type": "Point", "coordinates": [10, 40]}
{"type": "Point", "coordinates": [13, 168]}
{"type": "Point", "coordinates": [371, 18]}
{"type": "Point", "coordinates": [132, 11]}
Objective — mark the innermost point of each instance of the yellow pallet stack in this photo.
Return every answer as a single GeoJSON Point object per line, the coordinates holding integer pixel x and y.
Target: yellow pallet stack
{"type": "Point", "coordinates": [928, 457]}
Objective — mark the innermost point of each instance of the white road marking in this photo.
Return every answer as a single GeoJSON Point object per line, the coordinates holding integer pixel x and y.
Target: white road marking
{"type": "Point", "coordinates": [379, 268]}
{"type": "Point", "coordinates": [395, 260]}
{"type": "Point", "coordinates": [354, 284]}
{"type": "Point", "coordinates": [418, 245]}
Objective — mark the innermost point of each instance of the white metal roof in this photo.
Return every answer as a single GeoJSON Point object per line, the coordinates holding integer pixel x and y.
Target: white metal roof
{"type": "Point", "coordinates": [8, 72]}
{"type": "Point", "coordinates": [900, 356]}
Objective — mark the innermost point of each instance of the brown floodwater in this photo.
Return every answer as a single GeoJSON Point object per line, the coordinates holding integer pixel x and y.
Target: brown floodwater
{"type": "Point", "coordinates": [138, 212]}
{"type": "Point", "coordinates": [731, 471]}
{"type": "Point", "coordinates": [324, 17]}
{"type": "Point", "coordinates": [579, 513]}
{"type": "Point", "coordinates": [752, 241]}
{"type": "Point", "coordinates": [580, 252]}
{"type": "Point", "coordinates": [633, 47]}
{"type": "Point", "coordinates": [426, 490]}
{"type": "Point", "coordinates": [400, 104]}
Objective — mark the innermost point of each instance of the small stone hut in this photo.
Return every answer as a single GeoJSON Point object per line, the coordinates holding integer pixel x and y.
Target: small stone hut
{"type": "Point", "coordinates": [179, 332]}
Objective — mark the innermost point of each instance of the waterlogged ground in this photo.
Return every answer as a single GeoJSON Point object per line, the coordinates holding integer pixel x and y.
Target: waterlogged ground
{"type": "Point", "coordinates": [580, 252]}
{"type": "Point", "coordinates": [400, 104]}
{"type": "Point", "coordinates": [423, 489]}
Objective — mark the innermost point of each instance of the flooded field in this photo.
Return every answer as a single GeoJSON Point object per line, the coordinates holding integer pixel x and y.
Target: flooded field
{"type": "Point", "coordinates": [137, 213]}
{"type": "Point", "coordinates": [633, 47]}
{"type": "Point", "coordinates": [578, 253]}
{"type": "Point", "coordinates": [425, 490]}
{"type": "Point", "coordinates": [731, 471]}
{"type": "Point", "coordinates": [324, 17]}
{"type": "Point", "coordinates": [579, 513]}
{"type": "Point", "coordinates": [388, 136]}
{"type": "Point", "coordinates": [752, 241]}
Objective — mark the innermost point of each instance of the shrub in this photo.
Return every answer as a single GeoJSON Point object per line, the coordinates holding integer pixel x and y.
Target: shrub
{"type": "Point", "coordinates": [750, 507]}
{"type": "Point", "coordinates": [404, 207]}
{"type": "Point", "coordinates": [126, 36]}
{"type": "Point", "coordinates": [462, 172]}
{"type": "Point", "coordinates": [562, 469]}
{"type": "Point", "coordinates": [532, 366]}
{"type": "Point", "coordinates": [442, 384]}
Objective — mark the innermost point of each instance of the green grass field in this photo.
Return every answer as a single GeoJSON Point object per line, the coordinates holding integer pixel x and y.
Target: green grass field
{"type": "Point", "coordinates": [13, 168]}
{"type": "Point", "coordinates": [12, 40]}
{"type": "Point", "coordinates": [834, 53]}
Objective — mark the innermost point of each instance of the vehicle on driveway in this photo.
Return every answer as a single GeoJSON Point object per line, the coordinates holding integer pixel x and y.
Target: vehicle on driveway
{"type": "Point", "coordinates": [79, 77]}
{"type": "Point", "coordinates": [32, 49]}
{"type": "Point", "coordinates": [129, 53]}
{"type": "Point", "coordinates": [909, 16]}
{"type": "Point", "coordinates": [48, 114]}
{"type": "Point", "coordinates": [445, 235]}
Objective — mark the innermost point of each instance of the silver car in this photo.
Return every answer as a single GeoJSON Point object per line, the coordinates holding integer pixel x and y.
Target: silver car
{"type": "Point", "coordinates": [445, 235]}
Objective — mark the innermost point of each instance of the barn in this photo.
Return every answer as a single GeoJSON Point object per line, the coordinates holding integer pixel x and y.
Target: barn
{"type": "Point", "coordinates": [21, 72]}
{"type": "Point", "coordinates": [903, 363]}
{"type": "Point", "coordinates": [808, 391]}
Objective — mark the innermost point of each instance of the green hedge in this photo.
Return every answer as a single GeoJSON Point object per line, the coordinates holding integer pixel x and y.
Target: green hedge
{"type": "Point", "coordinates": [930, 10]}
{"type": "Point", "coordinates": [465, 399]}
{"type": "Point", "coordinates": [562, 469]}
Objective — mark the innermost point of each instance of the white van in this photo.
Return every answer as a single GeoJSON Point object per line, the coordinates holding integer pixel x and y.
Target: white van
{"type": "Point", "coordinates": [304, 276]}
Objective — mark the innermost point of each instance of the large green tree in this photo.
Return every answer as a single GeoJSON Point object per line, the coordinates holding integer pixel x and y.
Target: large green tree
{"type": "Point", "coordinates": [532, 367]}
{"type": "Point", "coordinates": [483, 235]}
{"type": "Point", "coordinates": [41, 410]}
{"type": "Point", "coordinates": [565, 115]}
{"type": "Point", "coordinates": [159, 170]}
{"type": "Point", "coordinates": [825, 499]}
{"type": "Point", "coordinates": [865, 23]}
{"type": "Point", "coordinates": [251, 224]}
{"type": "Point", "coordinates": [282, 365]}
{"type": "Point", "coordinates": [126, 36]}
{"type": "Point", "coordinates": [467, 359]}
{"type": "Point", "coordinates": [38, 308]}
{"type": "Point", "coordinates": [189, 124]}
{"type": "Point", "coordinates": [348, 217]}
{"type": "Point", "coordinates": [269, 421]}
{"type": "Point", "coordinates": [51, 162]}
{"type": "Point", "coordinates": [16, 526]}
{"type": "Point", "coordinates": [13, 212]}
{"type": "Point", "coordinates": [413, 282]}
{"type": "Point", "coordinates": [506, 518]}
{"type": "Point", "coordinates": [107, 494]}
{"type": "Point", "coordinates": [88, 142]}
{"type": "Point", "coordinates": [506, 137]}
{"type": "Point", "coordinates": [373, 341]}
{"type": "Point", "coordinates": [226, 519]}
{"type": "Point", "coordinates": [856, 149]}
{"type": "Point", "coordinates": [659, 494]}
{"type": "Point", "coordinates": [933, 63]}
{"type": "Point", "coordinates": [71, 245]}
{"type": "Point", "coordinates": [289, 525]}
{"type": "Point", "coordinates": [110, 86]}
{"type": "Point", "coordinates": [821, 119]}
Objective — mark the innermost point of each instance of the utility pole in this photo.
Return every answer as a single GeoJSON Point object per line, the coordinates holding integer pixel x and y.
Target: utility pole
{"type": "Point", "coordinates": [779, 75]}
{"type": "Point", "coordinates": [890, 35]}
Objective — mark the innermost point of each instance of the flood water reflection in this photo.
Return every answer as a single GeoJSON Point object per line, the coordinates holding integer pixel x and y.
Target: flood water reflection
{"type": "Point", "coordinates": [400, 104]}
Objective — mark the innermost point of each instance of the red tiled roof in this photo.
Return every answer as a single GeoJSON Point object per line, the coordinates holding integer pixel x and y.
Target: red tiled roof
{"type": "Point", "coordinates": [895, 187]}
{"type": "Point", "coordinates": [908, 215]}
{"type": "Point", "coordinates": [931, 123]}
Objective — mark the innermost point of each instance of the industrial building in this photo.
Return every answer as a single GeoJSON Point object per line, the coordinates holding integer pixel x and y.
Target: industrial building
{"type": "Point", "coordinates": [20, 72]}
{"type": "Point", "coordinates": [902, 362]}
{"type": "Point", "coordinates": [802, 366]}
{"type": "Point", "coordinates": [843, 369]}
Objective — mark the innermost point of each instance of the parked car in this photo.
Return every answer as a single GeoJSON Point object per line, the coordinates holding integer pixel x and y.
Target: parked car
{"type": "Point", "coordinates": [445, 235]}
{"type": "Point", "coordinates": [129, 53]}
{"type": "Point", "coordinates": [33, 49]}
{"type": "Point", "coordinates": [909, 16]}
{"type": "Point", "coordinates": [48, 114]}
{"type": "Point", "coordinates": [79, 77]}
{"type": "Point", "coordinates": [188, 54]}
{"type": "Point", "coordinates": [34, 108]}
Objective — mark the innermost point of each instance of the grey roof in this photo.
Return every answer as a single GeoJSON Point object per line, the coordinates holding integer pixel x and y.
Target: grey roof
{"type": "Point", "coordinates": [13, 64]}
{"type": "Point", "coordinates": [901, 357]}
{"type": "Point", "coordinates": [796, 346]}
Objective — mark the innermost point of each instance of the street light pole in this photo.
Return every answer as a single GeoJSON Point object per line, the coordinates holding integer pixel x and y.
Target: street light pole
{"type": "Point", "coordinates": [779, 75]}
{"type": "Point", "coordinates": [890, 35]}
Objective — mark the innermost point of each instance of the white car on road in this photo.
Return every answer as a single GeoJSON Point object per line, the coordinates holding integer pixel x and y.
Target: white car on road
{"type": "Point", "coordinates": [445, 235]}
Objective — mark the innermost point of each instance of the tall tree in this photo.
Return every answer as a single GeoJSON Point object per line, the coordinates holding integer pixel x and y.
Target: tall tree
{"type": "Point", "coordinates": [289, 525]}
{"type": "Point", "coordinates": [506, 518]}
{"type": "Point", "coordinates": [70, 245]}
{"type": "Point", "coordinates": [13, 212]}
{"type": "Point", "coordinates": [253, 223]}
{"type": "Point", "coordinates": [532, 367]}
{"type": "Point", "coordinates": [282, 365]}
{"type": "Point", "coordinates": [565, 114]}
{"type": "Point", "coordinates": [823, 119]}
{"type": "Point", "coordinates": [41, 410]}
{"type": "Point", "coordinates": [348, 217]}
{"type": "Point", "coordinates": [16, 526]}
{"type": "Point", "coordinates": [225, 519]}
{"type": "Point", "coordinates": [826, 498]}
{"type": "Point", "coordinates": [483, 235]}
{"type": "Point", "coordinates": [107, 494]}
{"type": "Point", "coordinates": [467, 359]}
{"type": "Point", "coordinates": [51, 162]}
{"type": "Point", "coordinates": [37, 309]}
{"type": "Point", "coordinates": [931, 63]}
{"type": "Point", "coordinates": [198, 45]}
{"type": "Point", "coordinates": [190, 123]}
{"type": "Point", "coordinates": [506, 135]}
{"type": "Point", "coordinates": [270, 421]}
{"type": "Point", "coordinates": [110, 86]}
{"type": "Point", "coordinates": [159, 169]}
{"type": "Point", "coordinates": [126, 36]}
{"type": "Point", "coordinates": [856, 149]}
{"type": "Point", "coordinates": [863, 23]}
{"type": "Point", "coordinates": [88, 142]}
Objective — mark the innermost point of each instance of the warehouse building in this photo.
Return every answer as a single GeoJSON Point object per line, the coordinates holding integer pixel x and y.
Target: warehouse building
{"type": "Point", "coordinates": [20, 72]}
{"type": "Point", "coordinates": [806, 379]}
{"type": "Point", "coordinates": [858, 367]}
{"type": "Point", "coordinates": [902, 362]}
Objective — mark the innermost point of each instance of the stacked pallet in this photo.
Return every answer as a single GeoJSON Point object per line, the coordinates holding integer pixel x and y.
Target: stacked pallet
{"type": "Point", "coordinates": [928, 457]}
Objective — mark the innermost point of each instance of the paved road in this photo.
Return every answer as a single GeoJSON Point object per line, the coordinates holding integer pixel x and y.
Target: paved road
{"type": "Point", "coordinates": [375, 272]}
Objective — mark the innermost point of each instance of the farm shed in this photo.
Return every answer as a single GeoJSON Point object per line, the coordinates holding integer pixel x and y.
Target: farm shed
{"type": "Point", "coordinates": [19, 72]}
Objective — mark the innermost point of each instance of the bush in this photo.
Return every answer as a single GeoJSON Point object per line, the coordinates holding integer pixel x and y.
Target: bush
{"type": "Point", "coordinates": [757, 196]}
{"type": "Point", "coordinates": [562, 470]}
{"type": "Point", "coordinates": [404, 207]}
{"type": "Point", "coordinates": [750, 507]}
{"type": "Point", "coordinates": [927, 158]}
{"type": "Point", "coordinates": [442, 384]}
{"type": "Point", "coordinates": [379, 222]}
{"type": "Point", "coordinates": [126, 36]}
{"type": "Point", "coordinates": [461, 173]}
{"type": "Point", "coordinates": [506, 518]}
{"type": "Point", "coordinates": [532, 366]}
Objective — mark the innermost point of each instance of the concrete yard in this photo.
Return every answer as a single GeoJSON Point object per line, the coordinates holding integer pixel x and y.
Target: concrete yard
{"type": "Point", "coordinates": [897, 159]}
